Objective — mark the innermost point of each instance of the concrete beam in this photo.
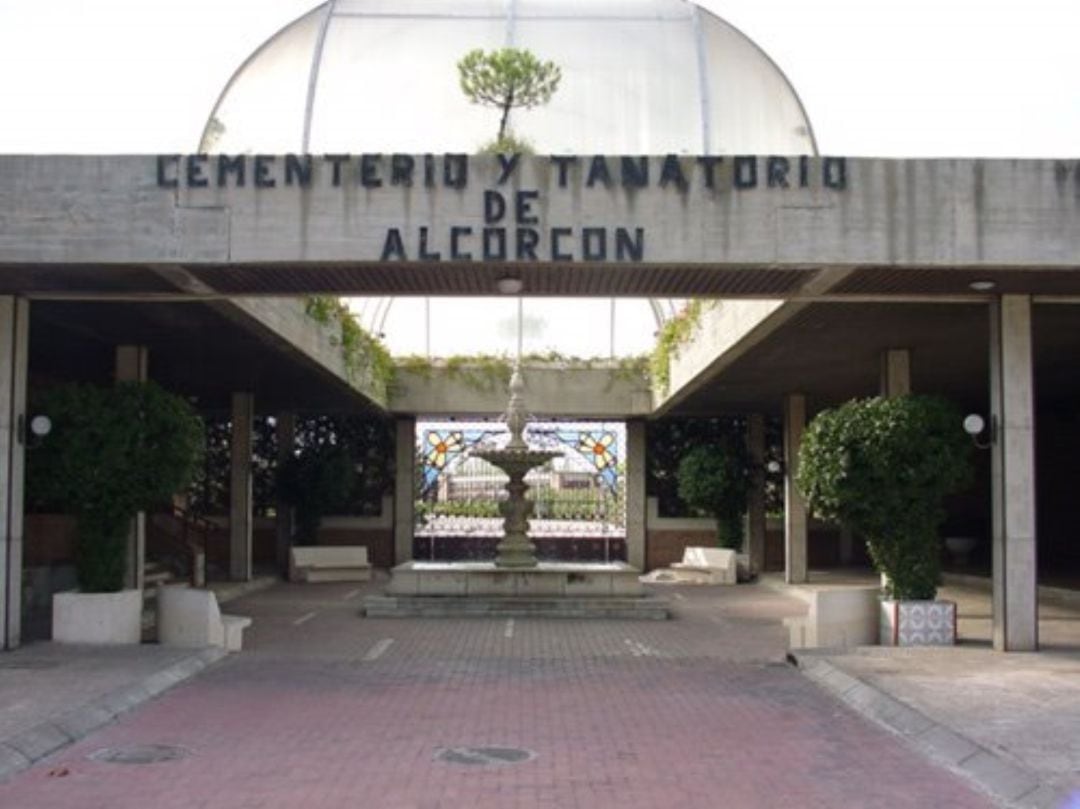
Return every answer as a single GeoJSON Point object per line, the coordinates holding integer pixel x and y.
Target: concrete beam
{"type": "Point", "coordinates": [926, 213]}
{"type": "Point", "coordinates": [14, 340]}
{"type": "Point", "coordinates": [1012, 412]}
{"type": "Point", "coordinates": [605, 390]}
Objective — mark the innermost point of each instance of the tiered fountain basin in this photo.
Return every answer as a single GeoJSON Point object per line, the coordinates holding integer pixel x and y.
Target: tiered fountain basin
{"type": "Point", "coordinates": [548, 590]}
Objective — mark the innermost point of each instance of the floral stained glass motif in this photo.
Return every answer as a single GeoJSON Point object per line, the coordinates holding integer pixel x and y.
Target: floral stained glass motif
{"type": "Point", "coordinates": [599, 448]}
{"type": "Point", "coordinates": [442, 447]}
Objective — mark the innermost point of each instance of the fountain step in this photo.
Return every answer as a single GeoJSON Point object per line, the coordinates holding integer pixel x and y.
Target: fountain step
{"type": "Point", "coordinates": [546, 579]}
{"type": "Point", "coordinates": [623, 608]}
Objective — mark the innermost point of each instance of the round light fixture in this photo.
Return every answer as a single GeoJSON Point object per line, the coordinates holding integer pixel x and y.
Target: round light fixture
{"type": "Point", "coordinates": [974, 424]}
{"type": "Point", "coordinates": [509, 285]}
{"type": "Point", "coordinates": [40, 426]}
{"type": "Point", "coordinates": [982, 286]}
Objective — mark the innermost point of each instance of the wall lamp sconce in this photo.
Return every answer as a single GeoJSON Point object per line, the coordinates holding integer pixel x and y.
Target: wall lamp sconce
{"type": "Point", "coordinates": [975, 425]}
{"type": "Point", "coordinates": [40, 426]}
{"type": "Point", "coordinates": [509, 285]}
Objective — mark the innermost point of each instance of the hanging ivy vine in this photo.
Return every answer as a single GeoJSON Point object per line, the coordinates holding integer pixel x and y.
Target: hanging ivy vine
{"type": "Point", "coordinates": [363, 354]}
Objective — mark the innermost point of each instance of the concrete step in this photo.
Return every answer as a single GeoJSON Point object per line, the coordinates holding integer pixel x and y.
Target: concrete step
{"type": "Point", "coordinates": [632, 608]}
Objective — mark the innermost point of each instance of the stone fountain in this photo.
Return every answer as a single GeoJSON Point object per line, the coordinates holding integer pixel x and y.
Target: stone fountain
{"type": "Point", "coordinates": [516, 459]}
{"type": "Point", "coordinates": [515, 583]}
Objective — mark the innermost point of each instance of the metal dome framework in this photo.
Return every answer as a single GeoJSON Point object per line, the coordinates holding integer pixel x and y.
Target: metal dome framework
{"type": "Point", "coordinates": [639, 77]}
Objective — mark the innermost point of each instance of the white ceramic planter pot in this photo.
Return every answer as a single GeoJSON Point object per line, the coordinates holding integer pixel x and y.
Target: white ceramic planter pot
{"type": "Point", "coordinates": [97, 617]}
{"type": "Point", "coordinates": [918, 623]}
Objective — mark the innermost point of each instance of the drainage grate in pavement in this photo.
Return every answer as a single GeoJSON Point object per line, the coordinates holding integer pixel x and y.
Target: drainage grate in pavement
{"type": "Point", "coordinates": [140, 754]}
{"type": "Point", "coordinates": [483, 756]}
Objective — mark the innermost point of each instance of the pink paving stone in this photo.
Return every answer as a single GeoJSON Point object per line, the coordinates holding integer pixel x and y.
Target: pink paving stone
{"type": "Point", "coordinates": [705, 716]}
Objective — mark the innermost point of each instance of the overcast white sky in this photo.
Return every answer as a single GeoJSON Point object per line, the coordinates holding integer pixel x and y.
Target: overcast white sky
{"type": "Point", "coordinates": [878, 77]}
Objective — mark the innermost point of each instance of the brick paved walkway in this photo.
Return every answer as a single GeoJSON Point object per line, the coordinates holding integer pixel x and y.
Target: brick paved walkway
{"type": "Point", "coordinates": [326, 709]}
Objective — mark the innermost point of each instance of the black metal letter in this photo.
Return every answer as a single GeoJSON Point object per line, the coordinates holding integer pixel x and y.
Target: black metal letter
{"type": "Point", "coordinates": [498, 236]}
{"type": "Point", "coordinates": [635, 172]}
{"type": "Point", "coordinates": [298, 170]}
{"type": "Point", "coordinates": [494, 207]}
{"type": "Point", "coordinates": [527, 240]}
{"type": "Point", "coordinates": [776, 171]}
{"type": "Point", "coordinates": [523, 207]}
{"type": "Point", "coordinates": [369, 170]}
{"type": "Point", "coordinates": [338, 160]}
{"type": "Point", "coordinates": [456, 170]}
{"type": "Point", "coordinates": [627, 249]}
{"type": "Point", "coordinates": [165, 178]}
{"type": "Point", "coordinates": [746, 172]}
{"type": "Point", "coordinates": [834, 172]}
{"type": "Point", "coordinates": [401, 169]}
{"type": "Point", "coordinates": [262, 171]}
{"type": "Point", "coordinates": [598, 172]}
{"type": "Point", "coordinates": [456, 233]}
{"type": "Point", "coordinates": [671, 172]}
{"type": "Point", "coordinates": [594, 244]}
{"type": "Point", "coordinates": [507, 164]}
{"type": "Point", "coordinates": [425, 254]}
{"type": "Point", "coordinates": [557, 235]}
{"type": "Point", "coordinates": [564, 163]}
{"type": "Point", "coordinates": [196, 174]}
{"type": "Point", "coordinates": [393, 247]}
{"type": "Point", "coordinates": [710, 164]}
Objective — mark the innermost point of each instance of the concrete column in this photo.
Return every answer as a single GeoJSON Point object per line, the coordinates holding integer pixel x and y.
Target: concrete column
{"type": "Point", "coordinates": [404, 489]}
{"type": "Point", "coordinates": [895, 372]}
{"type": "Point", "coordinates": [755, 534]}
{"type": "Point", "coordinates": [286, 444]}
{"type": "Point", "coordinates": [795, 518]}
{"type": "Point", "coordinates": [636, 472]}
{"type": "Point", "coordinates": [240, 493]}
{"type": "Point", "coordinates": [133, 365]}
{"type": "Point", "coordinates": [1012, 413]}
{"type": "Point", "coordinates": [14, 339]}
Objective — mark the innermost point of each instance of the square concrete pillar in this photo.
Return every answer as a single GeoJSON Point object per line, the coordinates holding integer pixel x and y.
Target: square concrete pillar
{"type": "Point", "coordinates": [895, 372]}
{"type": "Point", "coordinates": [240, 487]}
{"type": "Point", "coordinates": [635, 493]}
{"type": "Point", "coordinates": [14, 339]}
{"type": "Point", "coordinates": [133, 365]}
{"type": "Point", "coordinates": [404, 489]}
{"type": "Point", "coordinates": [755, 534]}
{"type": "Point", "coordinates": [286, 445]}
{"type": "Point", "coordinates": [795, 517]}
{"type": "Point", "coordinates": [1012, 412]}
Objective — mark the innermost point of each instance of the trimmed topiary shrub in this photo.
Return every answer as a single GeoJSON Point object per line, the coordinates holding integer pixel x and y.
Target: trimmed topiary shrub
{"type": "Point", "coordinates": [113, 452]}
{"type": "Point", "coordinates": [883, 467]}
{"type": "Point", "coordinates": [715, 479]}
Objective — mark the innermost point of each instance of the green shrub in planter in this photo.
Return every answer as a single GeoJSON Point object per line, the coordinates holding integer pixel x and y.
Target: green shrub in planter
{"type": "Point", "coordinates": [883, 467]}
{"type": "Point", "coordinates": [716, 479]}
{"type": "Point", "coordinates": [112, 452]}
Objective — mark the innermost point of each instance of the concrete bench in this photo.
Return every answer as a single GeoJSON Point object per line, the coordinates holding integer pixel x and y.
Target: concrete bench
{"type": "Point", "coordinates": [329, 563]}
{"type": "Point", "coordinates": [699, 566]}
{"type": "Point", "coordinates": [719, 564]}
{"type": "Point", "coordinates": [191, 618]}
{"type": "Point", "coordinates": [839, 617]}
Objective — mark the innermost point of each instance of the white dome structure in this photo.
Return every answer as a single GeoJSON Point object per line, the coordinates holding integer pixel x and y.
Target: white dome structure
{"type": "Point", "coordinates": [638, 77]}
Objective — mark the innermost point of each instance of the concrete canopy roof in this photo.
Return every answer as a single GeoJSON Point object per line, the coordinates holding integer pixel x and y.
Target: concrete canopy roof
{"type": "Point", "coordinates": [831, 352]}
{"type": "Point", "coordinates": [198, 349]}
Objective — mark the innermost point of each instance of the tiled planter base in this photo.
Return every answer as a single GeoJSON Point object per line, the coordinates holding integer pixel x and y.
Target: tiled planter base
{"type": "Point", "coordinates": [918, 623]}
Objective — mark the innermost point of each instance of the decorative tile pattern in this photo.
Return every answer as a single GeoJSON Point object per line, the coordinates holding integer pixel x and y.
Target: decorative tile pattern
{"type": "Point", "coordinates": [918, 623]}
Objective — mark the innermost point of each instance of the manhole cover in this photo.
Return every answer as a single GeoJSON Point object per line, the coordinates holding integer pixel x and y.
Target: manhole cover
{"type": "Point", "coordinates": [140, 754]}
{"type": "Point", "coordinates": [483, 756]}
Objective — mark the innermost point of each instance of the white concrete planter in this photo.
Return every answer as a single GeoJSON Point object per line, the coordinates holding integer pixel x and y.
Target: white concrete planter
{"type": "Point", "coordinates": [97, 617]}
{"type": "Point", "coordinates": [918, 623]}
